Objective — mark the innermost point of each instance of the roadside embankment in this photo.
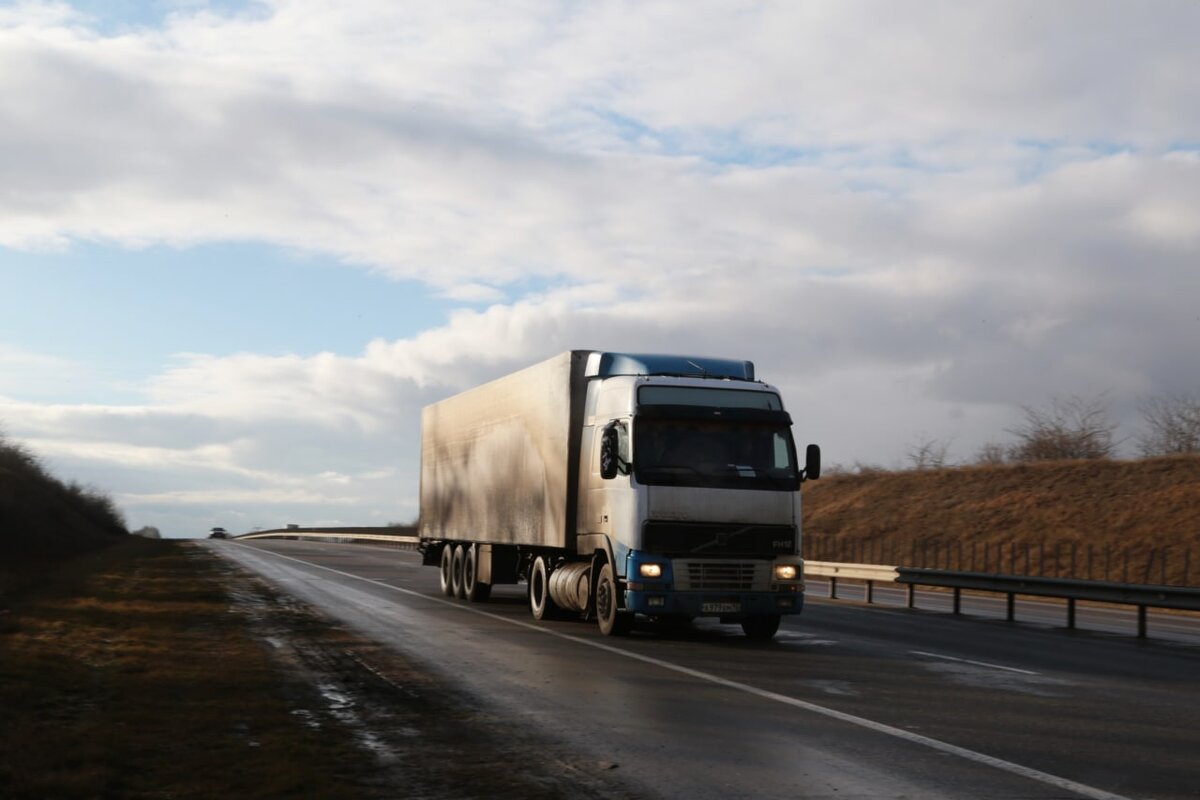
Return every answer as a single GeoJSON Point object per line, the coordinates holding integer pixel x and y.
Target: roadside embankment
{"type": "Point", "coordinates": [1137, 521]}
{"type": "Point", "coordinates": [44, 521]}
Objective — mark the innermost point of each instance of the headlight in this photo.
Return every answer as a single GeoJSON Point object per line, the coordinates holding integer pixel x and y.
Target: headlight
{"type": "Point", "coordinates": [650, 570]}
{"type": "Point", "coordinates": [786, 572]}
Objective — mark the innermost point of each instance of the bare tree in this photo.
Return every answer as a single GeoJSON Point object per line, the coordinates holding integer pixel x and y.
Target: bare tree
{"type": "Point", "coordinates": [1073, 427]}
{"type": "Point", "coordinates": [928, 453]}
{"type": "Point", "coordinates": [1173, 425]}
{"type": "Point", "coordinates": [991, 454]}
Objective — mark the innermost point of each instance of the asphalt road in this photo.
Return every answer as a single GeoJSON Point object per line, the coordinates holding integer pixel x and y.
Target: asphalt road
{"type": "Point", "coordinates": [849, 700]}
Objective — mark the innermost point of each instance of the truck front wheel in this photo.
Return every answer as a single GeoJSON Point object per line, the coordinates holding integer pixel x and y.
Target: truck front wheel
{"type": "Point", "coordinates": [760, 626]}
{"type": "Point", "coordinates": [612, 622]}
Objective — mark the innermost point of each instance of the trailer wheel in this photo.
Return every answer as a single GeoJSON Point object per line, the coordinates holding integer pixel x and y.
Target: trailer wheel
{"type": "Point", "coordinates": [456, 572]}
{"type": "Point", "coordinates": [448, 570]}
{"type": "Point", "coordinates": [760, 626]}
{"type": "Point", "coordinates": [612, 622]}
{"type": "Point", "coordinates": [474, 590]}
{"type": "Point", "coordinates": [540, 604]}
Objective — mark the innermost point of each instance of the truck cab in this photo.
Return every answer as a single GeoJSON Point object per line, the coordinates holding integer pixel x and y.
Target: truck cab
{"type": "Point", "coordinates": [689, 482]}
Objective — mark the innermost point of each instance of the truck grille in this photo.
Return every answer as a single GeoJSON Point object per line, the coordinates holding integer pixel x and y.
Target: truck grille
{"type": "Point", "coordinates": [731, 540]}
{"type": "Point", "coordinates": [722, 576]}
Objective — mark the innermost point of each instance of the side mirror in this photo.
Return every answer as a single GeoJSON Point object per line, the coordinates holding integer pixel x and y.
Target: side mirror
{"type": "Point", "coordinates": [609, 460]}
{"type": "Point", "coordinates": [812, 462]}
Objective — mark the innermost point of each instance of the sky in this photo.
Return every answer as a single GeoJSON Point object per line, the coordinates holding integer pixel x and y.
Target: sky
{"type": "Point", "coordinates": [243, 243]}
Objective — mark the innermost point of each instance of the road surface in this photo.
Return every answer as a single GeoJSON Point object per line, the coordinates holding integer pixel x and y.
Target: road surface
{"type": "Point", "coordinates": [849, 700]}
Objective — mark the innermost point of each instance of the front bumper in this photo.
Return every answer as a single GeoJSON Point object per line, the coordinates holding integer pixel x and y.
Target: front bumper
{"type": "Point", "coordinates": [712, 604]}
{"type": "Point", "coordinates": [702, 587]}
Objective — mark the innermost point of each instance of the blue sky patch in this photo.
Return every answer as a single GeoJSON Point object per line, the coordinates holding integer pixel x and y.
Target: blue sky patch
{"type": "Point", "coordinates": [112, 17]}
{"type": "Point", "coordinates": [130, 310]}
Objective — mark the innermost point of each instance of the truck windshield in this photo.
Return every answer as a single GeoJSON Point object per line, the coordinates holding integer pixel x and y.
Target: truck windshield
{"type": "Point", "coordinates": [729, 454]}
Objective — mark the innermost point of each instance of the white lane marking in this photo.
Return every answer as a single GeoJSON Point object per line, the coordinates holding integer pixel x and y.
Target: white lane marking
{"type": "Point", "coordinates": [1080, 789]}
{"type": "Point", "coordinates": [804, 638]}
{"type": "Point", "coordinates": [976, 663]}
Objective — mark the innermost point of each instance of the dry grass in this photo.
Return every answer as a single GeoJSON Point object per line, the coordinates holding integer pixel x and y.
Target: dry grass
{"type": "Point", "coordinates": [1149, 508]}
{"type": "Point", "coordinates": [128, 675]}
{"type": "Point", "coordinates": [156, 669]}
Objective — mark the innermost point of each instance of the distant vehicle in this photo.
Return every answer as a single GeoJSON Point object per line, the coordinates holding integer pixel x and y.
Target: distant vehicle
{"type": "Point", "coordinates": [219, 533]}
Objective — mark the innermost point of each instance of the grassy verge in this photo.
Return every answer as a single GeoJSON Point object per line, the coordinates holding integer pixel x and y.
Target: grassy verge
{"type": "Point", "coordinates": [157, 669]}
{"type": "Point", "coordinates": [130, 675]}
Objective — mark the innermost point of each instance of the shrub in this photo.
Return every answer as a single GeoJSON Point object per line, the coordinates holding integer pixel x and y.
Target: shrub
{"type": "Point", "coordinates": [928, 453]}
{"type": "Point", "coordinates": [1071, 428]}
{"type": "Point", "coordinates": [43, 518]}
{"type": "Point", "coordinates": [1173, 425]}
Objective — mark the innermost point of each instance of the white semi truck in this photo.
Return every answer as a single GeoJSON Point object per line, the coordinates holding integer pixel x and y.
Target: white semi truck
{"type": "Point", "coordinates": [617, 485]}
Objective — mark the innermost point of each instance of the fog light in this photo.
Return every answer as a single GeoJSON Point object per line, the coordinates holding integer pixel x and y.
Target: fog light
{"type": "Point", "coordinates": [785, 602]}
{"type": "Point", "coordinates": [650, 570]}
{"type": "Point", "coordinates": [786, 572]}
{"type": "Point", "coordinates": [656, 602]}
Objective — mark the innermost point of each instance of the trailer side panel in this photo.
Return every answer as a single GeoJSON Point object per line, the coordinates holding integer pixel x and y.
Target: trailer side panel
{"type": "Point", "coordinates": [499, 463]}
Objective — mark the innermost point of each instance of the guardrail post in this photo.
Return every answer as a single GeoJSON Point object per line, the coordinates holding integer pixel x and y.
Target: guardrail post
{"type": "Point", "coordinates": [1071, 590]}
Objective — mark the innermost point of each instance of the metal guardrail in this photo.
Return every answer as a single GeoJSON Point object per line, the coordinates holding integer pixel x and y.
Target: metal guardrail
{"type": "Point", "coordinates": [340, 534]}
{"type": "Point", "coordinates": [868, 573]}
{"type": "Point", "coordinates": [1142, 596]}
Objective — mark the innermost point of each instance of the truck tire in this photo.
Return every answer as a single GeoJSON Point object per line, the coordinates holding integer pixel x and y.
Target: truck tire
{"type": "Point", "coordinates": [448, 570]}
{"type": "Point", "coordinates": [473, 589]}
{"type": "Point", "coordinates": [760, 626]}
{"type": "Point", "coordinates": [612, 621]}
{"type": "Point", "coordinates": [540, 604]}
{"type": "Point", "coordinates": [456, 572]}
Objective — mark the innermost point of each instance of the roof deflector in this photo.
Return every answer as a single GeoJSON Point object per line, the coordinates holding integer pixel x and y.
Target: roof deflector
{"type": "Point", "coordinates": [606, 365]}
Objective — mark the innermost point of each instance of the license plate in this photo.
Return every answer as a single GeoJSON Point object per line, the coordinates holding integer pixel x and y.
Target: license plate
{"type": "Point", "coordinates": [721, 608]}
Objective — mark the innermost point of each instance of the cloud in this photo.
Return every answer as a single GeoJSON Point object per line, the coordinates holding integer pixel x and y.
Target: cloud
{"type": "Point", "coordinates": [17, 358]}
{"type": "Point", "coordinates": [913, 219]}
{"type": "Point", "coordinates": [475, 293]}
{"type": "Point", "coordinates": [474, 145]}
{"type": "Point", "coordinates": [254, 497]}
